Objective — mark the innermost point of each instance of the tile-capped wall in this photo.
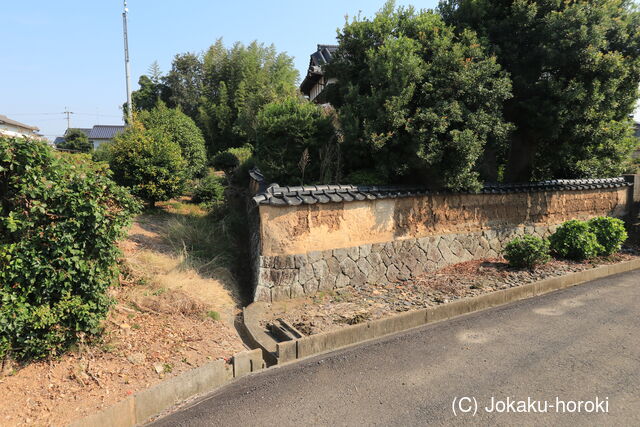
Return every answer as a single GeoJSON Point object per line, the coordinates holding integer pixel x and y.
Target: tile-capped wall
{"type": "Point", "coordinates": [291, 276]}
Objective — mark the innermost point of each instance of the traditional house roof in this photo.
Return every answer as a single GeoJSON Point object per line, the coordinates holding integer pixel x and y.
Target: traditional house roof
{"type": "Point", "coordinates": [311, 194]}
{"type": "Point", "coordinates": [322, 56]}
{"type": "Point", "coordinates": [106, 131]}
{"type": "Point", "coordinates": [8, 121]}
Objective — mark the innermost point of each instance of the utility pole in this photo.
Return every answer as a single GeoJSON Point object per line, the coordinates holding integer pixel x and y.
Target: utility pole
{"type": "Point", "coordinates": [126, 61]}
{"type": "Point", "coordinates": [68, 113]}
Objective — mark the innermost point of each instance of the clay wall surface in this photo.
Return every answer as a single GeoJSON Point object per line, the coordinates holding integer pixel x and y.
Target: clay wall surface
{"type": "Point", "coordinates": [308, 248]}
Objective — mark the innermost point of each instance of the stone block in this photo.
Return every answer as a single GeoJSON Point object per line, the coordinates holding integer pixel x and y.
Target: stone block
{"type": "Point", "coordinates": [305, 273]}
{"type": "Point", "coordinates": [349, 267]}
{"type": "Point", "coordinates": [262, 293]}
{"type": "Point", "coordinates": [315, 256]}
{"type": "Point", "coordinates": [390, 250]}
{"type": "Point", "coordinates": [284, 261]}
{"type": "Point", "coordinates": [456, 249]}
{"type": "Point", "coordinates": [392, 273]}
{"type": "Point", "coordinates": [300, 261]}
{"type": "Point", "coordinates": [365, 250]}
{"type": "Point", "coordinates": [320, 269]}
{"type": "Point", "coordinates": [342, 281]}
{"type": "Point", "coordinates": [246, 362]}
{"type": "Point", "coordinates": [354, 253]}
{"type": "Point", "coordinates": [334, 266]}
{"type": "Point", "coordinates": [297, 291]}
{"type": "Point", "coordinates": [281, 293]}
{"type": "Point", "coordinates": [266, 262]}
{"type": "Point", "coordinates": [311, 286]}
{"type": "Point", "coordinates": [327, 283]}
{"type": "Point", "coordinates": [364, 266]}
{"type": "Point", "coordinates": [340, 254]}
{"type": "Point", "coordinates": [404, 273]}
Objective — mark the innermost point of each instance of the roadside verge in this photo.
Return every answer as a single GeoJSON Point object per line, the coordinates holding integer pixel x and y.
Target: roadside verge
{"type": "Point", "coordinates": [140, 407]}
{"type": "Point", "coordinates": [311, 345]}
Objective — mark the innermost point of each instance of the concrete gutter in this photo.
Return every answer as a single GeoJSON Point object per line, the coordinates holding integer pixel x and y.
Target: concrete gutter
{"type": "Point", "coordinates": [290, 351]}
{"type": "Point", "coordinates": [140, 407]}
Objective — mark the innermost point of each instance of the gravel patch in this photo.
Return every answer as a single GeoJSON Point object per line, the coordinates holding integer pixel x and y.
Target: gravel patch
{"type": "Point", "coordinates": [352, 305]}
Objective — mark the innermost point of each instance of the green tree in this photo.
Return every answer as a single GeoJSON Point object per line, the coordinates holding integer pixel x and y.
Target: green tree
{"type": "Point", "coordinates": [292, 140]}
{"type": "Point", "coordinates": [60, 219]}
{"type": "Point", "coordinates": [417, 102]}
{"type": "Point", "coordinates": [77, 140]}
{"type": "Point", "coordinates": [179, 128]}
{"type": "Point", "coordinates": [237, 83]}
{"type": "Point", "coordinates": [575, 67]}
{"type": "Point", "coordinates": [184, 83]}
{"type": "Point", "coordinates": [149, 163]}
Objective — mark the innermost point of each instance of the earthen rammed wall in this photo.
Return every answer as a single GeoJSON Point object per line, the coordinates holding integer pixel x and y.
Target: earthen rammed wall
{"type": "Point", "coordinates": [309, 248]}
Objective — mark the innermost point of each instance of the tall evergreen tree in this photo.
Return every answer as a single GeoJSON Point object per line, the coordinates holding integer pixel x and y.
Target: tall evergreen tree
{"type": "Point", "coordinates": [575, 67]}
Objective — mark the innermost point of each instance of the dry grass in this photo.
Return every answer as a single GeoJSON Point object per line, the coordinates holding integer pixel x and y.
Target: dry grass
{"type": "Point", "coordinates": [176, 248]}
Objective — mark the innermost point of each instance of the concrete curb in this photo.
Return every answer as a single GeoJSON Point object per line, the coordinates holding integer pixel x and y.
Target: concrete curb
{"type": "Point", "coordinates": [290, 351]}
{"type": "Point", "coordinates": [137, 409]}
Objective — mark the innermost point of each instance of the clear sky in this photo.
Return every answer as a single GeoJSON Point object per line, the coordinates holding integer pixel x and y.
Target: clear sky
{"type": "Point", "coordinates": [69, 53]}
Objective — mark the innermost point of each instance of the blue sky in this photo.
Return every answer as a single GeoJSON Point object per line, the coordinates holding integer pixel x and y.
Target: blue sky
{"type": "Point", "coordinates": [68, 53]}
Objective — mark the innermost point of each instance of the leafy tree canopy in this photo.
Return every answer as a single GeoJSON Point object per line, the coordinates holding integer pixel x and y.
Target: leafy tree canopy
{"type": "Point", "coordinates": [575, 67]}
{"type": "Point", "coordinates": [417, 102]}
{"type": "Point", "coordinates": [295, 142]}
{"type": "Point", "coordinates": [149, 163]}
{"type": "Point", "coordinates": [237, 83]}
{"type": "Point", "coordinates": [179, 128]}
{"type": "Point", "coordinates": [76, 140]}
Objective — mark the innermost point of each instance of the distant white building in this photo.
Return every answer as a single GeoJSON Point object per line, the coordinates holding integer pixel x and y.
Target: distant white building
{"type": "Point", "coordinates": [9, 127]}
{"type": "Point", "coordinates": [98, 134]}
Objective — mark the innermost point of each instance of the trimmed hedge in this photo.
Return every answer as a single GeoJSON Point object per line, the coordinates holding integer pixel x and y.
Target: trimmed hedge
{"type": "Point", "coordinates": [528, 251]}
{"type": "Point", "coordinates": [60, 217]}
{"type": "Point", "coordinates": [610, 232]}
{"type": "Point", "coordinates": [575, 240]}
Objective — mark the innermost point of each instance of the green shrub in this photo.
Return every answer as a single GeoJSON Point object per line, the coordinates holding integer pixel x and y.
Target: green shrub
{"type": "Point", "coordinates": [76, 140]}
{"type": "Point", "coordinates": [102, 153]}
{"type": "Point", "coordinates": [610, 232]}
{"type": "Point", "coordinates": [243, 154]}
{"type": "Point", "coordinates": [225, 161]}
{"type": "Point", "coordinates": [179, 128]}
{"type": "Point", "coordinates": [148, 163]}
{"type": "Point", "coordinates": [575, 240]}
{"type": "Point", "coordinates": [528, 251]}
{"type": "Point", "coordinates": [60, 217]}
{"type": "Point", "coordinates": [291, 139]}
{"type": "Point", "coordinates": [209, 190]}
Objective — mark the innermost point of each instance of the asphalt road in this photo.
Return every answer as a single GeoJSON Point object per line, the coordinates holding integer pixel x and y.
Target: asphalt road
{"type": "Point", "coordinates": [578, 344]}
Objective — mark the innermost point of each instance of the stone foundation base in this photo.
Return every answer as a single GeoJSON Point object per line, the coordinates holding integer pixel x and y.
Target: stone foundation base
{"type": "Point", "coordinates": [293, 276]}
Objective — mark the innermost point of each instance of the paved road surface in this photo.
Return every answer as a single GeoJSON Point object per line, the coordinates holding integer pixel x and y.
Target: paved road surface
{"type": "Point", "coordinates": [577, 344]}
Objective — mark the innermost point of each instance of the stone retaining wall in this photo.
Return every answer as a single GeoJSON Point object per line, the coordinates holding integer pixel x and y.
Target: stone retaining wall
{"type": "Point", "coordinates": [308, 248]}
{"type": "Point", "coordinates": [291, 276]}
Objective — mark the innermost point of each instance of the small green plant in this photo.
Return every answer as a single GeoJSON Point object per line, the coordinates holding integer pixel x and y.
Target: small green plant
{"type": "Point", "coordinates": [610, 232]}
{"type": "Point", "coordinates": [135, 326]}
{"type": "Point", "coordinates": [209, 190]}
{"type": "Point", "coordinates": [225, 161]}
{"type": "Point", "coordinates": [575, 240]}
{"type": "Point", "coordinates": [167, 367]}
{"type": "Point", "coordinates": [527, 252]}
{"type": "Point", "coordinates": [213, 315]}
